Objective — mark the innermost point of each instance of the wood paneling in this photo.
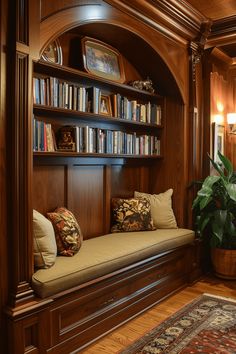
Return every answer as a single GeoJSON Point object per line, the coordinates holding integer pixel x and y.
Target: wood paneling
{"type": "Point", "coordinates": [49, 188]}
{"type": "Point", "coordinates": [215, 9]}
{"type": "Point", "coordinates": [126, 180]}
{"type": "Point", "coordinates": [86, 191]}
{"type": "Point", "coordinates": [171, 172]}
{"type": "Point", "coordinates": [48, 8]}
{"type": "Point", "coordinates": [86, 198]}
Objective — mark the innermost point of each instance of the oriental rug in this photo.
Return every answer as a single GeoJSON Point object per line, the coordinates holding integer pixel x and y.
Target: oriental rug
{"type": "Point", "coordinates": [206, 325]}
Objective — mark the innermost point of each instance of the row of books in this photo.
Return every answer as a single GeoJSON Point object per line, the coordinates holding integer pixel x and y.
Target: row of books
{"type": "Point", "coordinates": [92, 140]}
{"type": "Point", "coordinates": [96, 140]}
{"type": "Point", "coordinates": [51, 91]}
{"type": "Point", "coordinates": [43, 136]}
{"type": "Point", "coordinates": [135, 111]}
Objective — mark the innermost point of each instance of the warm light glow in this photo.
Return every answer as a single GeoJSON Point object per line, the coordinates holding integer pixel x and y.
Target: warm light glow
{"type": "Point", "coordinates": [218, 118]}
{"type": "Point", "coordinates": [231, 118]}
{"type": "Point", "coordinates": [220, 106]}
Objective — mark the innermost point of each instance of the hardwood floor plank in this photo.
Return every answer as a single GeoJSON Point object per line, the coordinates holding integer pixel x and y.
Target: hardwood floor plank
{"type": "Point", "coordinates": [136, 328]}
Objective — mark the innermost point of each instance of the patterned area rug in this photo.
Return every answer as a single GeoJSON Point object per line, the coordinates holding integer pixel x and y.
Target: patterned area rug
{"type": "Point", "coordinates": [206, 325]}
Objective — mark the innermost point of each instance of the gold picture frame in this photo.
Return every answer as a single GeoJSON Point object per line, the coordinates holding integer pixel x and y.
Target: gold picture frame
{"type": "Point", "coordinates": [100, 59]}
{"type": "Point", "coordinates": [53, 53]}
{"type": "Point", "coordinates": [105, 105]}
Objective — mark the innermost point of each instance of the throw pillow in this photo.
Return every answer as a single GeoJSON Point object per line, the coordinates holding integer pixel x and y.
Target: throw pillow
{"type": "Point", "coordinates": [45, 248]}
{"type": "Point", "coordinates": [131, 214]}
{"type": "Point", "coordinates": [161, 209]}
{"type": "Point", "coordinates": [68, 234]}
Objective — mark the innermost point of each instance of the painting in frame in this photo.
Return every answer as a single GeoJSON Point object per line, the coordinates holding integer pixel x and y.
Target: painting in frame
{"type": "Point", "coordinates": [105, 105]}
{"type": "Point", "coordinates": [100, 59]}
{"type": "Point", "coordinates": [218, 139]}
{"type": "Point", "coordinates": [53, 53]}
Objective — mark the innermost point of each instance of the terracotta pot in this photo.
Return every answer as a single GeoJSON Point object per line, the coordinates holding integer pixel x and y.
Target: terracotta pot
{"type": "Point", "coordinates": [224, 263]}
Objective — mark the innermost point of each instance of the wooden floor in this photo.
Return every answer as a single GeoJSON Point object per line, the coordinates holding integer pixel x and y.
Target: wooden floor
{"type": "Point", "coordinates": [134, 329]}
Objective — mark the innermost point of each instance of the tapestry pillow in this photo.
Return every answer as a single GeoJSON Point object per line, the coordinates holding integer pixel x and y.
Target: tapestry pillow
{"type": "Point", "coordinates": [161, 209]}
{"type": "Point", "coordinates": [45, 248]}
{"type": "Point", "coordinates": [68, 234]}
{"type": "Point", "coordinates": [131, 214]}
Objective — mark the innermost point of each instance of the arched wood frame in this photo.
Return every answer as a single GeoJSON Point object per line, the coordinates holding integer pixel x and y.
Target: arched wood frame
{"type": "Point", "coordinates": [49, 29]}
{"type": "Point", "coordinates": [60, 22]}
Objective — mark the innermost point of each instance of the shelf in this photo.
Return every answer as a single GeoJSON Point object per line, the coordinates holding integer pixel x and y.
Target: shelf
{"type": "Point", "coordinates": [73, 158]}
{"type": "Point", "coordinates": [63, 72]}
{"type": "Point", "coordinates": [40, 110]}
{"type": "Point", "coordinates": [97, 155]}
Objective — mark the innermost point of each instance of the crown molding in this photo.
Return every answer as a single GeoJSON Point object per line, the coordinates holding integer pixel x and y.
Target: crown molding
{"type": "Point", "coordinates": [223, 32]}
{"type": "Point", "coordinates": [224, 26]}
{"type": "Point", "coordinates": [174, 18]}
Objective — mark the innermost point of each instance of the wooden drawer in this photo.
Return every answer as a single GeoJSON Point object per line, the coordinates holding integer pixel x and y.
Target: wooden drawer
{"type": "Point", "coordinates": [90, 308]}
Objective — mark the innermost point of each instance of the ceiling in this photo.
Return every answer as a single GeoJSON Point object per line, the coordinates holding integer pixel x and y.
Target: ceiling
{"type": "Point", "coordinates": [215, 9]}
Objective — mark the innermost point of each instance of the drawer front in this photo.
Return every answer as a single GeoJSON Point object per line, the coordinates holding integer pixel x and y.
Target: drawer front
{"type": "Point", "coordinates": [92, 306]}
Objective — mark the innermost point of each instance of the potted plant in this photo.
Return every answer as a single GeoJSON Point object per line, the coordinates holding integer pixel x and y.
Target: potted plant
{"type": "Point", "coordinates": [215, 216]}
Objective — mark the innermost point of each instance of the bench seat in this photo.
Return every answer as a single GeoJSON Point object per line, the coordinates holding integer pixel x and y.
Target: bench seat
{"type": "Point", "coordinates": [105, 254]}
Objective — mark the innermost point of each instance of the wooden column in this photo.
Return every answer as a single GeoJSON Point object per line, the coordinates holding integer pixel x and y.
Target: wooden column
{"type": "Point", "coordinates": [3, 177]}
{"type": "Point", "coordinates": [198, 137]}
{"type": "Point", "coordinates": [20, 146]}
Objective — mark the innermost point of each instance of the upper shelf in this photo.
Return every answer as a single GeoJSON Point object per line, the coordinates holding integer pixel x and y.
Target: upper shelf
{"type": "Point", "coordinates": [48, 111]}
{"type": "Point", "coordinates": [61, 71]}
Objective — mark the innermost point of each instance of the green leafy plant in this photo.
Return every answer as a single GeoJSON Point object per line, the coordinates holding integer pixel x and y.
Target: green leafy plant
{"type": "Point", "coordinates": [215, 206]}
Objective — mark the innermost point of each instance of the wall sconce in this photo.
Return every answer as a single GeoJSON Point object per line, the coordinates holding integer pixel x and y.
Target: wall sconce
{"type": "Point", "coordinates": [231, 120]}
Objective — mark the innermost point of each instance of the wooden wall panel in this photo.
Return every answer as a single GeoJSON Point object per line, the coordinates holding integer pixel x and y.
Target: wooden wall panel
{"type": "Point", "coordinates": [171, 171]}
{"type": "Point", "coordinates": [49, 188]}
{"type": "Point", "coordinates": [87, 190]}
{"type": "Point", "coordinates": [86, 198]}
{"type": "Point", "coordinates": [127, 179]}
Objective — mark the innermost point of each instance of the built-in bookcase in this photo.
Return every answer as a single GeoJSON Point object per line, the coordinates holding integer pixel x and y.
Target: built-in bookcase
{"type": "Point", "coordinates": [130, 125]}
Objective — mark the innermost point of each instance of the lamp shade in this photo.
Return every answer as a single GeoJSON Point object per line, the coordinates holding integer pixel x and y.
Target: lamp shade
{"type": "Point", "coordinates": [231, 118]}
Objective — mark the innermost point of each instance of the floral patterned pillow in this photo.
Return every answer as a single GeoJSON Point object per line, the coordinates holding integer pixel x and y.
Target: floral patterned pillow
{"type": "Point", "coordinates": [131, 214]}
{"type": "Point", "coordinates": [68, 234]}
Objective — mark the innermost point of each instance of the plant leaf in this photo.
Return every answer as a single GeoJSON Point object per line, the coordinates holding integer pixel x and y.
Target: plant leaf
{"type": "Point", "coordinates": [205, 201]}
{"type": "Point", "coordinates": [217, 168]}
{"type": "Point", "coordinates": [203, 221]}
{"type": "Point", "coordinates": [227, 165]}
{"type": "Point", "coordinates": [209, 181]}
{"type": "Point", "coordinates": [231, 189]}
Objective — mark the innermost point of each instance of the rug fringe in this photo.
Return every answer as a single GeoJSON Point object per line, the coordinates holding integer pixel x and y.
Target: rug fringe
{"type": "Point", "coordinates": [220, 297]}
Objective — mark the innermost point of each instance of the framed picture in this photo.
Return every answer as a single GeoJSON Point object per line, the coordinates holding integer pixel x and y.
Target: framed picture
{"type": "Point", "coordinates": [218, 139]}
{"type": "Point", "coordinates": [102, 60]}
{"type": "Point", "coordinates": [105, 105]}
{"type": "Point", "coordinates": [53, 53]}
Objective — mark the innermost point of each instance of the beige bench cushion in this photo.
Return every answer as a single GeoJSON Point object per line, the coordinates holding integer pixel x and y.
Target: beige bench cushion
{"type": "Point", "coordinates": [104, 254]}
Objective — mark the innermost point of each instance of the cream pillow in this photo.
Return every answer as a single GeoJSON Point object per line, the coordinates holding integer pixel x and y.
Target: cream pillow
{"type": "Point", "coordinates": [45, 248]}
{"type": "Point", "coordinates": [161, 209]}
